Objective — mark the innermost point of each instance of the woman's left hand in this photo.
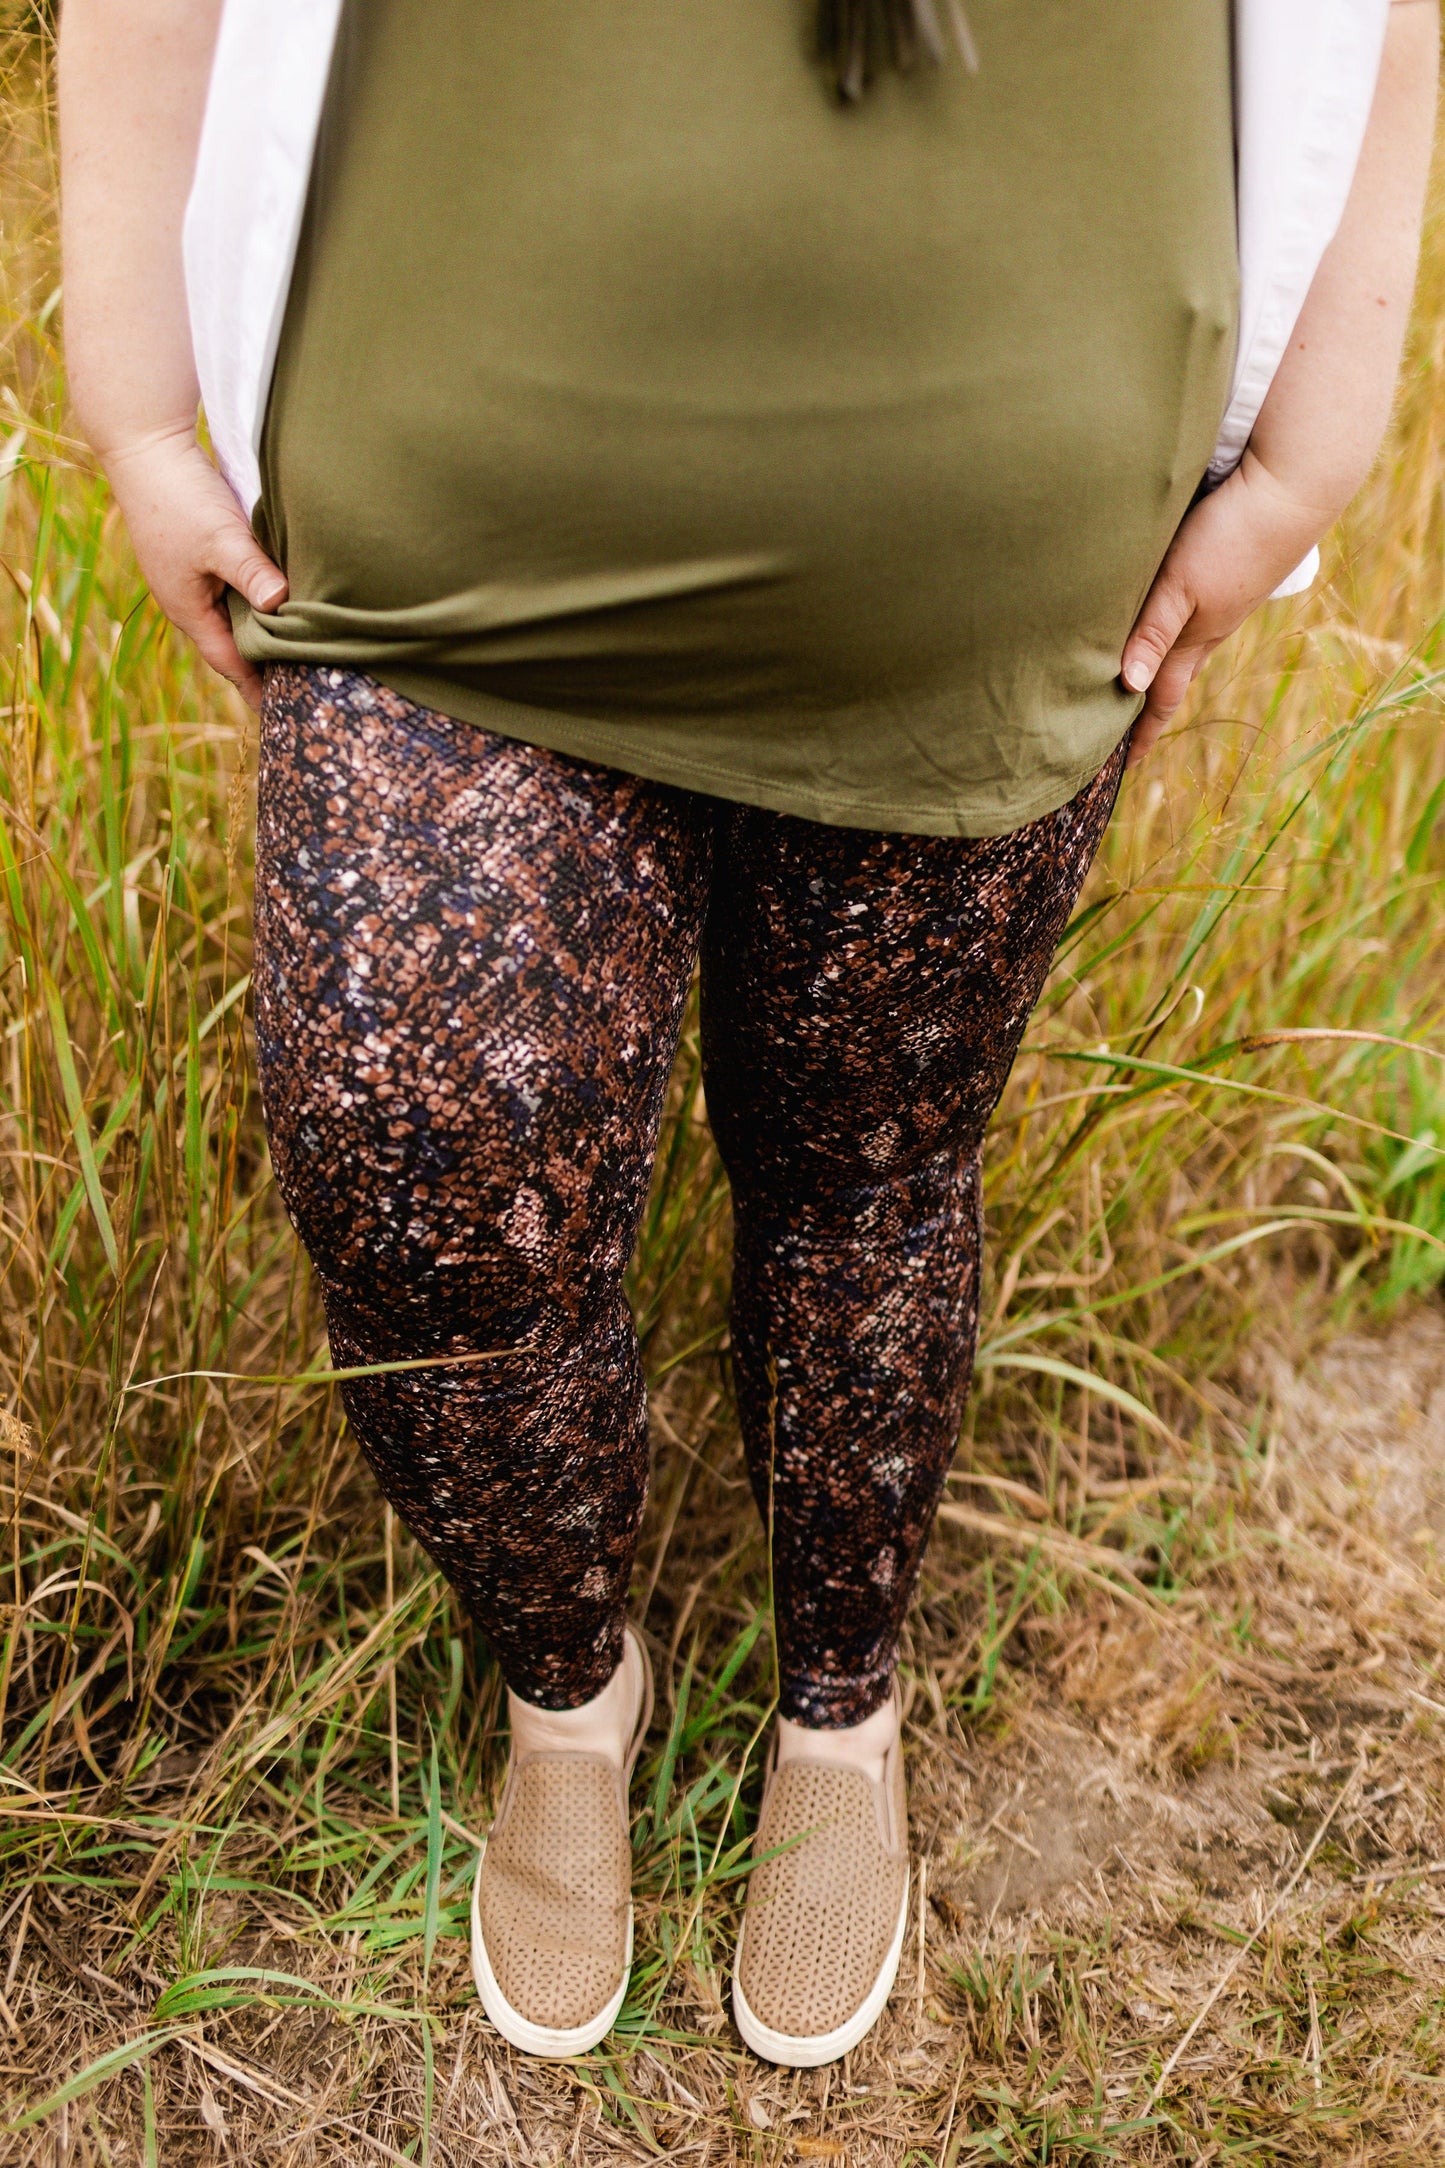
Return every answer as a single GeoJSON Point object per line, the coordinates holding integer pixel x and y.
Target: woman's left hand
{"type": "Point", "coordinates": [1231, 553]}
{"type": "Point", "coordinates": [1320, 426]}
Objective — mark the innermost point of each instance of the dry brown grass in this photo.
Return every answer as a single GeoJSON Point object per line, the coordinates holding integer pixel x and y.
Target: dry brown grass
{"type": "Point", "coordinates": [1176, 1710]}
{"type": "Point", "coordinates": [1110, 1868]}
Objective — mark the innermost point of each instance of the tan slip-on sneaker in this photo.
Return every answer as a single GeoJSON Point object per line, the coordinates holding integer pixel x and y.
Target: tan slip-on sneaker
{"type": "Point", "coordinates": [824, 1919]}
{"type": "Point", "coordinates": [552, 1900]}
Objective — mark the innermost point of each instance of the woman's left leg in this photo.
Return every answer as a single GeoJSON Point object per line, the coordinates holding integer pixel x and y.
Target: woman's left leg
{"type": "Point", "coordinates": [863, 1000]}
{"type": "Point", "coordinates": [864, 997]}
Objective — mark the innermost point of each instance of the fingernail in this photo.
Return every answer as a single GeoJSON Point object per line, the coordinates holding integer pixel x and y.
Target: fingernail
{"type": "Point", "coordinates": [268, 597]}
{"type": "Point", "coordinates": [1138, 675]}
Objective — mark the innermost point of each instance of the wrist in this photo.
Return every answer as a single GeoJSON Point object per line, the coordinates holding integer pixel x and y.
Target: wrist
{"type": "Point", "coordinates": [124, 449]}
{"type": "Point", "coordinates": [1314, 487]}
{"type": "Point", "coordinates": [1300, 505]}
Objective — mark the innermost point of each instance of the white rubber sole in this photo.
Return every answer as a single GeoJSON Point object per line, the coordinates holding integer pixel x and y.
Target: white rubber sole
{"type": "Point", "coordinates": [545, 2040]}
{"type": "Point", "coordinates": [804, 2053]}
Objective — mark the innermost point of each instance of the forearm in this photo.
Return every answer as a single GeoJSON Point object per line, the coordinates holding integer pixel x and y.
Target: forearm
{"type": "Point", "coordinates": [132, 86]}
{"type": "Point", "coordinates": [1321, 425]}
{"type": "Point", "coordinates": [1327, 410]}
{"type": "Point", "coordinates": [133, 78]}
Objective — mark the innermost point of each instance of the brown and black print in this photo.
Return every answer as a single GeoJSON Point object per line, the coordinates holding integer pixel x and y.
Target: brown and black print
{"type": "Point", "coordinates": [472, 961]}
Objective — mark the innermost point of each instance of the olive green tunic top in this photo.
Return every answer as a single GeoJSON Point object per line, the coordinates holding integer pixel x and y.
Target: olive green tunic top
{"type": "Point", "coordinates": [637, 400]}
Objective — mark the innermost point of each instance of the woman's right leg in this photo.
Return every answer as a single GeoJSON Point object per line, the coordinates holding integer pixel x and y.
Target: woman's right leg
{"type": "Point", "coordinates": [472, 958]}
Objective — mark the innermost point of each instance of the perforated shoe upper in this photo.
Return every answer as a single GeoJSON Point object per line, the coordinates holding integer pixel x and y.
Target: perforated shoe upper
{"type": "Point", "coordinates": [554, 1892]}
{"type": "Point", "coordinates": [821, 1916]}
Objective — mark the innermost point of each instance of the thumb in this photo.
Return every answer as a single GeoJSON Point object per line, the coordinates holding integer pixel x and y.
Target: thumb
{"type": "Point", "coordinates": [1167, 609]}
{"type": "Point", "coordinates": [240, 561]}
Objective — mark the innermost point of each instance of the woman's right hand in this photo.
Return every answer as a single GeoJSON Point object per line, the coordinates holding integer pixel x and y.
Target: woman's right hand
{"type": "Point", "coordinates": [132, 83]}
{"type": "Point", "coordinates": [193, 542]}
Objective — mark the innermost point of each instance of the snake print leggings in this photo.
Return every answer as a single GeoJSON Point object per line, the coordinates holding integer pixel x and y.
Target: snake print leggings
{"type": "Point", "coordinates": [473, 958]}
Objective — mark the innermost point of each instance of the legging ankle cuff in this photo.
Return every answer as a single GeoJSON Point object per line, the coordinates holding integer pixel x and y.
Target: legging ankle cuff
{"type": "Point", "coordinates": [834, 1704]}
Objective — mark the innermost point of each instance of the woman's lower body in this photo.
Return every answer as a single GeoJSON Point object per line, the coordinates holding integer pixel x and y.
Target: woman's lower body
{"type": "Point", "coordinates": [472, 962]}
{"type": "Point", "coordinates": [473, 957]}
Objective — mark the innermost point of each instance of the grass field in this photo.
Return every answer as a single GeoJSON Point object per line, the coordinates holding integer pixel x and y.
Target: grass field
{"type": "Point", "coordinates": [1176, 1712]}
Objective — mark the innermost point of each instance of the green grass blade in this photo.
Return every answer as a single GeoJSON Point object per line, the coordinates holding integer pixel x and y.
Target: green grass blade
{"type": "Point", "coordinates": [79, 1124]}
